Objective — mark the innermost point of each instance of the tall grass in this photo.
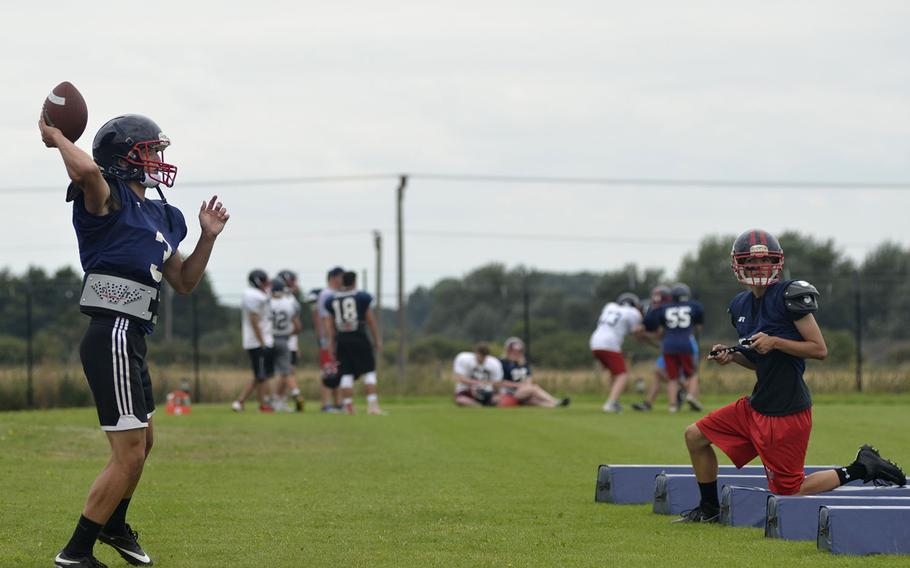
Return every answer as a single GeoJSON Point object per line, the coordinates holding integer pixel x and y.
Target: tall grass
{"type": "Point", "coordinates": [65, 385]}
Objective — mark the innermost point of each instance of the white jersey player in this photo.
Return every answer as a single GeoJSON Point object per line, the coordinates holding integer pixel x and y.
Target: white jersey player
{"type": "Point", "coordinates": [476, 374]}
{"type": "Point", "coordinates": [257, 338]}
{"type": "Point", "coordinates": [617, 320]}
{"type": "Point", "coordinates": [286, 324]}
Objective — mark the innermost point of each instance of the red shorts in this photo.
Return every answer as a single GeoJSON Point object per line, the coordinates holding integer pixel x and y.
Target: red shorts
{"type": "Point", "coordinates": [780, 441]}
{"type": "Point", "coordinates": [679, 361]}
{"type": "Point", "coordinates": [508, 400]}
{"type": "Point", "coordinates": [325, 357]}
{"type": "Point", "coordinates": [611, 360]}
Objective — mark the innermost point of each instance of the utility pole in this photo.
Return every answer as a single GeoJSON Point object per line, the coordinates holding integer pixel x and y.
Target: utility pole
{"type": "Point", "coordinates": [402, 320]}
{"type": "Point", "coordinates": [377, 243]}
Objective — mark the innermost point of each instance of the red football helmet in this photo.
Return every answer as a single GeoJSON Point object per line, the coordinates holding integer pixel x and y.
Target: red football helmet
{"type": "Point", "coordinates": [659, 295]}
{"type": "Point", "coordinates": [757, 258]}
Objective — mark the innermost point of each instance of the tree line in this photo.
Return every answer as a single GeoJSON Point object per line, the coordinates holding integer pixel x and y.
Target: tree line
{"type": "Point", "coordinates": [492, 302]}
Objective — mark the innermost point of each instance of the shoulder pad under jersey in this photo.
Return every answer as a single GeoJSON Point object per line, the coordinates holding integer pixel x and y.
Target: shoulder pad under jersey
{"type": "Point", "coordinates": [801, 297]}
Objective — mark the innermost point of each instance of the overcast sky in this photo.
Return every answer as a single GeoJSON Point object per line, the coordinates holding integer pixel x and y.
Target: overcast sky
{"type": "Point", "coordinates": [813, 91]}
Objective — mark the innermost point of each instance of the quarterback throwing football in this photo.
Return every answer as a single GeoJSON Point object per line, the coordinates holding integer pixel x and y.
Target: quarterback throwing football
{"type": "Point", "coordinates": [128, 245]}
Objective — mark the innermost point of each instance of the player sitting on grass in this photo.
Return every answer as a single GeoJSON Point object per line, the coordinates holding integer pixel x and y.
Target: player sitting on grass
{"type": "Point", "coordinates": [776, 318]}
{"type": "Point", "coordinates": [476, 374]}
{"type": "Point", "coordinates": [518, 388]}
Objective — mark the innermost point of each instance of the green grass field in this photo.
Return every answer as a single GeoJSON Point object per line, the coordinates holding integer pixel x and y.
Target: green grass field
{"type": "Point", "coordinates": [428, 485]}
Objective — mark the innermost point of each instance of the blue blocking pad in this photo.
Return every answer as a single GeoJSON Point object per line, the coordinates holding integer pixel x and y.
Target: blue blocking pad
{"type": "Point", "coordinates": [675, 493]}
{"type": "Point", "coordinates": [795, 517]}
{"type": "Point", "coordinates": [864, 530]}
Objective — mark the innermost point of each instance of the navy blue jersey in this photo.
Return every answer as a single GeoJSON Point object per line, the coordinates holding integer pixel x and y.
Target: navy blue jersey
{"type": "Point", "coordinates": [132, 242]}
{"type": "Point", "coordinates": [780, 389]}
{"type": "Point", "coordinates": [678, 319]}
{"type": "Point", "coordinates": [349, 310]}
{"type": "Point", "coordinates": [515, 372]}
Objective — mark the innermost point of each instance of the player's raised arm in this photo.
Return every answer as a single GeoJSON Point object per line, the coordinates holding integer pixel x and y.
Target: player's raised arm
{"type": "Point", "coordinates": [81, 169]}
{"type": "Point", "coordinates": [184, 274]}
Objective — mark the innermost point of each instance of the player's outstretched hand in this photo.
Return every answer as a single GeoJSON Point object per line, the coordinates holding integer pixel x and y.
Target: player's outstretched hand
{"type": "Point", "coordinates": [762, 343]}
{"type": "Point", "coordinates": [212, 217]}
{"type": "Point", "coordinates": [724, 355]}
{"type": "Point", "coordinates": [48, 133]}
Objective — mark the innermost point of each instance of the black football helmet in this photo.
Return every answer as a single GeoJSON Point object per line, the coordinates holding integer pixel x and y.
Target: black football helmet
{"type": "Point", "coordinates": [747, 259]}
{"type": "Point", "coordinates": [131, 148]}
{"type": "Point", "coordinates": [288, 278]}
{"type": "Point", "coordinates": [628, 299]}
{"type": "Point", "coordinates": [257, 278]}
{"type": "Point", "coordinates": [277, 285]}
{"type": "Point", "coordinates": [660, 295]}
{"type": "Point", "coordinates": [680, 292]}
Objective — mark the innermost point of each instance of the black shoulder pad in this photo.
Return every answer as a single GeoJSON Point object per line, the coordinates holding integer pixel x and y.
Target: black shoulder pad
{"type": "Point", "coordinates": [801, 297]}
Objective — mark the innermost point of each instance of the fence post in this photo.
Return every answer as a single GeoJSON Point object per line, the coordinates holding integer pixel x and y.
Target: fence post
{"type": "Point", "coordinates": [859, 332]}
{"type": "Point", "coordinates": [197, 393]}
{"type": "Point", "coordinates": [29, 363]}
{"type": "Point", "coordinates": [526, 301]}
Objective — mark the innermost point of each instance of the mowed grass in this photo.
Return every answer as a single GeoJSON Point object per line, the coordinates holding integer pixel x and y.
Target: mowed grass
{"type": "Point", "coordinates": [427, 485]}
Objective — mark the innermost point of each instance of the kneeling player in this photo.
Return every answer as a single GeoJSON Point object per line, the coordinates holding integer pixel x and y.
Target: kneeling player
{"type": "Point", "coordinates": [776, 317]}
{"type": "Point", "coordinates": [349, 310]}
{"type": "Point", "coordinates": [476, 374]}
{"type": "Point", "coordinates": [518, 388]}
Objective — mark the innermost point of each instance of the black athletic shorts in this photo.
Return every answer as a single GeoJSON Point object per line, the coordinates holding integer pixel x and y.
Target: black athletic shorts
{"type": "Point", "coordinates": [113, 354]}
{"type": "Point", "coordinates": [263, 362]}
{"type": "Point", "coordinates": [354, 354]}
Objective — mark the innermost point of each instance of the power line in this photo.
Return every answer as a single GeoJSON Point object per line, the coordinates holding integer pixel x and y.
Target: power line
{"type": "Point", "coordinates": [666, 182]}
{"type": "Point", "coordinates": [518, 179]}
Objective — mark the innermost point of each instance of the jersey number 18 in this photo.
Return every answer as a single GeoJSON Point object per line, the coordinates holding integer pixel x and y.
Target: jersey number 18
{"type": "Point", "coordinates": [345, 314]}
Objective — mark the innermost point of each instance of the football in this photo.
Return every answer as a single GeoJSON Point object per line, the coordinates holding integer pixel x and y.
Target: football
{"type": "Point", "coordinates": [65, 109]}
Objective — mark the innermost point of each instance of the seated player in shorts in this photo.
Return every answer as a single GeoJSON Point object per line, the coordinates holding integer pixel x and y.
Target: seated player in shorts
{"type": "Point", "coordinates": [616, 320]}
{"type": "Point", "coordinates": [285, 325]}
{"type": "Point", "coordinates": [678, 320]}
{"type": "Point", "coordinates": [350, 315]}
{"type": "Point", "coordinates": [257, 340]}
{"type": "Point", "coordinates": [476, 376]}
{"type": "Point", "coordinates": [776, 318]}
{"type": "Point", "coordinates": [518, 387]}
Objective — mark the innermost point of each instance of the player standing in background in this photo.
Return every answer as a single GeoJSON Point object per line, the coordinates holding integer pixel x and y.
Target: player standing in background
{"type": "Point", "coordinates": [350, 314]}
{"type": "Point", "coordinates": [331, 397]}
{"type": "Point", "coordinates": [292, 287]}
{"type": "Point", "coordinates": [285, 325]}
{"type": "Point", "coordinates": [126, 246]}
{"type": "Point", "coordinates": [517, 386]}
{"type": "Point", "coordinates": [775, 422]}
{"type": "Point", "coordinates": [616, 320]}
{"type": "Point", "coordinates": [476, 374]}
{"type": "Point", "coordinates": [659, 296]}
{"type": "Point", "coordinates": [257, 339]}
{"type": "Point", "coordinates": [679, 319]}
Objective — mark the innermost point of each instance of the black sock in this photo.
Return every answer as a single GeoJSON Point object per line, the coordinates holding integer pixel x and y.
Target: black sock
{"type": "Point", "coordinates": [850, 473]}
{"type": "Point", "coordinates": [709, 500]}
{"type": "Point", "coordinates": [84, 538]}
{"type": "Point", "coordinates": [117, 523]}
